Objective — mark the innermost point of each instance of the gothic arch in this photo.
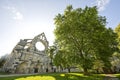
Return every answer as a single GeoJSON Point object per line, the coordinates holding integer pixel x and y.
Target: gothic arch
{"type": "Point", "coordinates": [39, 38]}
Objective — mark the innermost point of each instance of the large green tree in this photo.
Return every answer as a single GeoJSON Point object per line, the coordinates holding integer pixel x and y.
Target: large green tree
{"type": "Point", "coordinates": [82, 33]}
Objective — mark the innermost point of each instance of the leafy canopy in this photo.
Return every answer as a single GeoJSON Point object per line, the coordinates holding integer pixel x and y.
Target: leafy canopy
{"type": "Point", "coordinates": [83, 35]}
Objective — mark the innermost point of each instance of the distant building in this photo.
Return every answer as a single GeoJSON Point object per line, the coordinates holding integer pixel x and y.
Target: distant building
{"type": "Point", "coordinates": [26, 58]}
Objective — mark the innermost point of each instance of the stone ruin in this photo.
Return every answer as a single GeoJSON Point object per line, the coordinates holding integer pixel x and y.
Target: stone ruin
{"type": "Point", "coordinates": [26, 58]}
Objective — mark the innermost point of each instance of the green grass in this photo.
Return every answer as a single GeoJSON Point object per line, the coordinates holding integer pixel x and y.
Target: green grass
{"type": "Point", "coordinates": [58, 76]}
{"type": "Point", "coordinates": [117, 75]}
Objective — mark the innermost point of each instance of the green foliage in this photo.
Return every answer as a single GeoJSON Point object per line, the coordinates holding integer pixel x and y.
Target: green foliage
{"type": "Point", "coordinates": [51, 51]}
{"type": "Point", "coordinates": [2, 63]}
{"type": "Point", "coordinates": [83, 35]}
{"type": "Point", "coordinates": [115, 60]}
{"type": "Point", "coordinates": [60, 59]}
{"type": "Point", "coordinates": [116, 55]}
{"type": "Point", "coordinates": [117, 30]}
{"type": "Point", "coordinates": [3, 60]}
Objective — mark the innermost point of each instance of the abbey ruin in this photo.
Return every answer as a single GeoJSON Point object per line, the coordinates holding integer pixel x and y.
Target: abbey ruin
{"type": "Point", "coordinates": [26, 58]}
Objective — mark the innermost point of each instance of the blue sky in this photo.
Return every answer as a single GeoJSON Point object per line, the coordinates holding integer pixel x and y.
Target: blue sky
{"type": "Point", "coordinates": [24, 19]}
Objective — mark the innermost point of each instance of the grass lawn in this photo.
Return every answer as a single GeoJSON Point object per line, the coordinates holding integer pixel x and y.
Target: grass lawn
{"type": "Point", "coordinates": [58, 76]}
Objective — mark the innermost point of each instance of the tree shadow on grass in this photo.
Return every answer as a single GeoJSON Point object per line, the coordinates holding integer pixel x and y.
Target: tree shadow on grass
{"type": "Point", "coordinates": [78, 76]}
{"type": "Point", "coordinates": [117, 75]}
{"type": "Point", "coordinates": [57, 76]}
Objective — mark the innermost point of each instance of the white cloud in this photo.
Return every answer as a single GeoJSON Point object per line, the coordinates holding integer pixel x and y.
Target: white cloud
{"type": "Point", "coordinates": [16, 14]}
{"type": "Point", "coordinates": [101, 4]}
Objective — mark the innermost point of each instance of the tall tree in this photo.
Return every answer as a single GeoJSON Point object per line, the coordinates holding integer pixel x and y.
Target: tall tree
{"type": "Point", "coordinates": [82, 33]}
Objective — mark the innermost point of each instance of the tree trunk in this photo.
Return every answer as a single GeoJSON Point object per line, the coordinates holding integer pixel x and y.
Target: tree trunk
{"type": "Point", "coordinates": [69, 70]}
{"type": "Point", "coordinates": [85, 71]}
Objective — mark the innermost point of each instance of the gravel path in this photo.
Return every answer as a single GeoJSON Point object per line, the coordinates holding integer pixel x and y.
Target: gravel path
{"type": "Point", "coordinates": [111, 77]}
{"type": "Point", "coordinates": [10, 75]}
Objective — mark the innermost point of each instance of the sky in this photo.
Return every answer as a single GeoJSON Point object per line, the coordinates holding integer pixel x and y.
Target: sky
{"type": "Point", "coordinates": [24, 19]}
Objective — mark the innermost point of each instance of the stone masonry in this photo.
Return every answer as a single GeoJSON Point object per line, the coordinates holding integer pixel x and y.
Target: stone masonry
{"type": "Point", "coordinates": [26, 58]}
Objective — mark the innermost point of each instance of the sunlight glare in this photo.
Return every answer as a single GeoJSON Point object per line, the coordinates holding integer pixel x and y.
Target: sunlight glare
{"type": "Point", "coordinates": [40, 46]}
{"type": "Point", "coordinates": [37, 78]}
{"type": "Point", "coordinates": [62, 75]}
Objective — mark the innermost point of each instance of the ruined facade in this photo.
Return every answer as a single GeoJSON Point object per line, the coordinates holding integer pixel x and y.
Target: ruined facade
{"type": "Point", "coordinates": [26, 58]}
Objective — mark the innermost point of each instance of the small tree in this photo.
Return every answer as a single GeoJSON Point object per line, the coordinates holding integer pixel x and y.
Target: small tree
{"type": "Point", "coordinates": [3, 60]}
{"type": "Point", "coordinates": [51, 51]}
